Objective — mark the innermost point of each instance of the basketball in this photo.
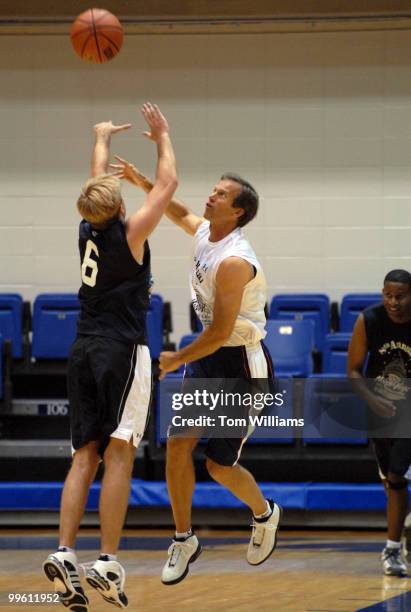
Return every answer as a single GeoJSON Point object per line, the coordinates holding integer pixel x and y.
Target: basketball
{"type": "Point", "coordinates": [96, 35]}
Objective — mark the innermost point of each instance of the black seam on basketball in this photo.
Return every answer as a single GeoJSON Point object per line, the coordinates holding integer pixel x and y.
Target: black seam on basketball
{"type": "Point", "coordinates": [80, 32]}
{"type": "Point", "coordinates": [110, 41]}
{"type": "Point", "coordinates": [95, 36]}
{"type": "Point", "coordinates": [85, 44]}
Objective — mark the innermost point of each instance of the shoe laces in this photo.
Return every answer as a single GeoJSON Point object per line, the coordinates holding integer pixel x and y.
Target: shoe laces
{"type": "Point", "coordinates": [259, 530]}
{"type": "Point", "coordinates": [174, 552]}
{"type": "Point", "coordinates": [392, 554]}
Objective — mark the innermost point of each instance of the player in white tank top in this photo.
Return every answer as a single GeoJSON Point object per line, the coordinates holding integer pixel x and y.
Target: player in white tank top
{"type": "Point", "coordinates": [207, 256]}
{"type": "Point", "coordinates": [229, 294]}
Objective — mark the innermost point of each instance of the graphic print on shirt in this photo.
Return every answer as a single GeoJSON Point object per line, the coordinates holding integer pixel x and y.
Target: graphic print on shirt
{"type": "Point", "coordinates": [201, 308]}
{"type": "Point", "coordinates": [396, 364]}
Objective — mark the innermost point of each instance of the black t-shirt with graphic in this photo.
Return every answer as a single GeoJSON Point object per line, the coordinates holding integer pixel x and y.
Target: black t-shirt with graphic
{"type": "Point", "coordinates": [389, 346]}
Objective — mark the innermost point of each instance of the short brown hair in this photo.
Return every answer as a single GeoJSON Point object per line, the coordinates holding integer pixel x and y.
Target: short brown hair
{"type": "Point", "coordinates": [100, 199]}
{"type": "Point", "coordinates": [247, 198]}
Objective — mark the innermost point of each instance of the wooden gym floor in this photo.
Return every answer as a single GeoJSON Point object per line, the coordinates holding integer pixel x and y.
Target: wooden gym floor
{"type": "Point", "coordinates": [309, 572]}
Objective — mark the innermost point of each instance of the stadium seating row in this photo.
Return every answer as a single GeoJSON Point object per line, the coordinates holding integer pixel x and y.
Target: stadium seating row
{"type": "Point", "coordinates": [54, 322]}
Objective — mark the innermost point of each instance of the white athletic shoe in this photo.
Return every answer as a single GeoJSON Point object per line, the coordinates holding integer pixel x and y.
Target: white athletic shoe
{"type": "Point", "coordinates": [392, 562]}
{"type": "Point", "coordinates": [108, 578]}
{"type": "Point", "coordinates": [406, 543]}
{"type": "Point", "coordinates": [61, 568]}
{"type": "Point", "coordinates": [264, 536]}
{"type": "Point", "coordinates": [180, 555]}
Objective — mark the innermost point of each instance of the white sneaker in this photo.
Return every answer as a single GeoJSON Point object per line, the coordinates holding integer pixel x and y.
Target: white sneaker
{"type": "Point", "coordinates": [264, 536]}
{"type": "Point", "coordinates": [180, 555]}
{"type": "Point", "coordinates": [108, 578]}
{"type": "Point", "coordinates": [406, 543]}
{"type": "Point", "coordinates": [61, 568]}
{"type": "Point", "coordinates": [392, 562]}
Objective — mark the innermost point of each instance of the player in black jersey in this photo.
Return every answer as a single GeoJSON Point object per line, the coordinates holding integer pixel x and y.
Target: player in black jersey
{"type": "Point", "coordinates": [384, 333]}
{"type": "Point", "coordinates": [109, 370]}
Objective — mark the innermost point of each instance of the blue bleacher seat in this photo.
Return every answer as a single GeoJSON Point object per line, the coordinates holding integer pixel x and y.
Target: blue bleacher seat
{"type": "Point", "coordinates": [172, 383]}
{"type": "Point", "coordinates": [333, 412]}
{"type": "Point", "coordinates": [155, 325]}
{"type": "Point", "coordinates": [187, 339]}
{"type": "Point", "coordinates": [352, 305]}
{"type": "Point", "coordinates": [1, 366]}
{"type": "Point", "coordinates": [11, 318]}
{"type": "Point", "coordinates": [54, 325]}
{"type": "Point", "coordinates": [335, 353]}
{"type": "Point", "coordinates": [313, 306]}
{"type": "Point", "coordinates": [291, 343]}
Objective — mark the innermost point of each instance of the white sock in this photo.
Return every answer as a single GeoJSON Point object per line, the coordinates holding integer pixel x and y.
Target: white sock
{"type": "Point", "coordinates": [183, 535]}
{"type": "Point", "coordinates": [265, 514]}
{"type": "Point", "coordinates": [392, 544]}
{"type": "Point", "coordinates": [66, 549]}
{"type": "Point", "coordinates": [108, 557]}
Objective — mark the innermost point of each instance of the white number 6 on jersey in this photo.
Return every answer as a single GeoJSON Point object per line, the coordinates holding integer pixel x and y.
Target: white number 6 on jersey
{"type": "Point", "coordinates": [89, 267]}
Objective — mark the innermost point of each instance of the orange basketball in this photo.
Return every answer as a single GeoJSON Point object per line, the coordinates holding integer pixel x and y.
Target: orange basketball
{"type": "Point", "coordinates": [96, 35]}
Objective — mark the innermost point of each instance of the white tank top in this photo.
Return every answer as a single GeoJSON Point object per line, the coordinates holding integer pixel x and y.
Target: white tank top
{"type": "Point", "coordinates": [249, 327]}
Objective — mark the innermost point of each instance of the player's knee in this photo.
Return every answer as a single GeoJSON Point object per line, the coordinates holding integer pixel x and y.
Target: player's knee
{"type": "Point", "coordinates": [217, 472]}
{"type": "Point", "coordinates": [119, 451]}
{"type": "Point", "coordinates": [177, 447]}
{"type": "Point", "coordinates": [395, 482]}
{"type": "Point", "coordinates": [85, 462]}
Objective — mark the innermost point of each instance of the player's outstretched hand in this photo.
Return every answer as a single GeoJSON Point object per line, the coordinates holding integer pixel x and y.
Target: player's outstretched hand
{"type": "Point", "coordinates": [106, 128]}
{"type": "Point", "coordinates": [126, 170]}
{"type": "Point", "coordinates": [156, 121]}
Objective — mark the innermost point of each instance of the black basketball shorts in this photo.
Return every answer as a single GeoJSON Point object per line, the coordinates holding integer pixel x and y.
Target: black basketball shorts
{"type": "Point", "coordinates": [231, 362]}
{"type": "Point", "coordinates": [109, 390]}
{"type": "Point", "coordinates": [393, 455]}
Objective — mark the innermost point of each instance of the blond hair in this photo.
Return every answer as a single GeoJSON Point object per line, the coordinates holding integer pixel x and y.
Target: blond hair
{"type": "Point", "coordinates": [100, 199]}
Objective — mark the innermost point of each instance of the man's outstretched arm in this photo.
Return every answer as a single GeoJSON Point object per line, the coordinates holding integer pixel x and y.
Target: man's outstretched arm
{"type": "Point", "coordinates": [101, 150]}
{"type": "Point", "coordinates": [141, 223]}
{"type": "Point", "coordinates": [176, 211]}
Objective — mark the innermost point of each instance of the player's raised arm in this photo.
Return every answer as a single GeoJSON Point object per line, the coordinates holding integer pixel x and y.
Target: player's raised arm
{"type": "Point", "coordinates": [142, 223]}
{"type": "Point", "coordinates": [101, 150]}
{"type": "Point", "coordinates": [176, 211]}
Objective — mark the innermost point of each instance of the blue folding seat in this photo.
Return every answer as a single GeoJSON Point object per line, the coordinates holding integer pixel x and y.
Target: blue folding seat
{"type": "Point", "coordinates": [335, 353]}
{"type": "Point", "coordinates": [333, 412]}
{"type": "Point", "coordinates": [154, 323]}
{"type": "Point", "coordinates": [11, 317]}
{"type": "Point", "coordinates": [290, 343]}
{"type": "Point", "coordinates": [313, 306]}
{"type": "Point", "coordinates": [1, 366]}
{"type": "Point", "coordinates": [352, 305]}
{"type": "Point", "coordinates": [171, 384]}
{"type": "Point", "coordinates": [54, 325]}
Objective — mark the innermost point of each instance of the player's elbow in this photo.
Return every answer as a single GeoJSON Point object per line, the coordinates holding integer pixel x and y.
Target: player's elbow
{"type": "Point", "coordinates": [221, 335]}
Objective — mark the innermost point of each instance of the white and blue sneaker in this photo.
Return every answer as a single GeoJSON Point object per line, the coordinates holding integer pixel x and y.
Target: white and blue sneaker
{"type": "Point", "coordinates": [108, 578]}
{"type": "Point", "coordinates": [393, 563]}
{"type": "Point", "coordinates": [61, 568]}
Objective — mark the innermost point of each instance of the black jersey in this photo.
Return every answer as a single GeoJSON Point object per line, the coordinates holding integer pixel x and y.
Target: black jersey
{"type": "Point", "coordinates": [114, 295]}
{"type": "Point", "coordinates": [389, 346]}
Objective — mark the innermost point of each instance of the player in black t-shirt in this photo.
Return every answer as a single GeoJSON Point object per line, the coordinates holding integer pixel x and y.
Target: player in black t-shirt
{"type": "Point", "coordinates": [109, 369]}
{"type": "Point", "coordinates": [384, 333]}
